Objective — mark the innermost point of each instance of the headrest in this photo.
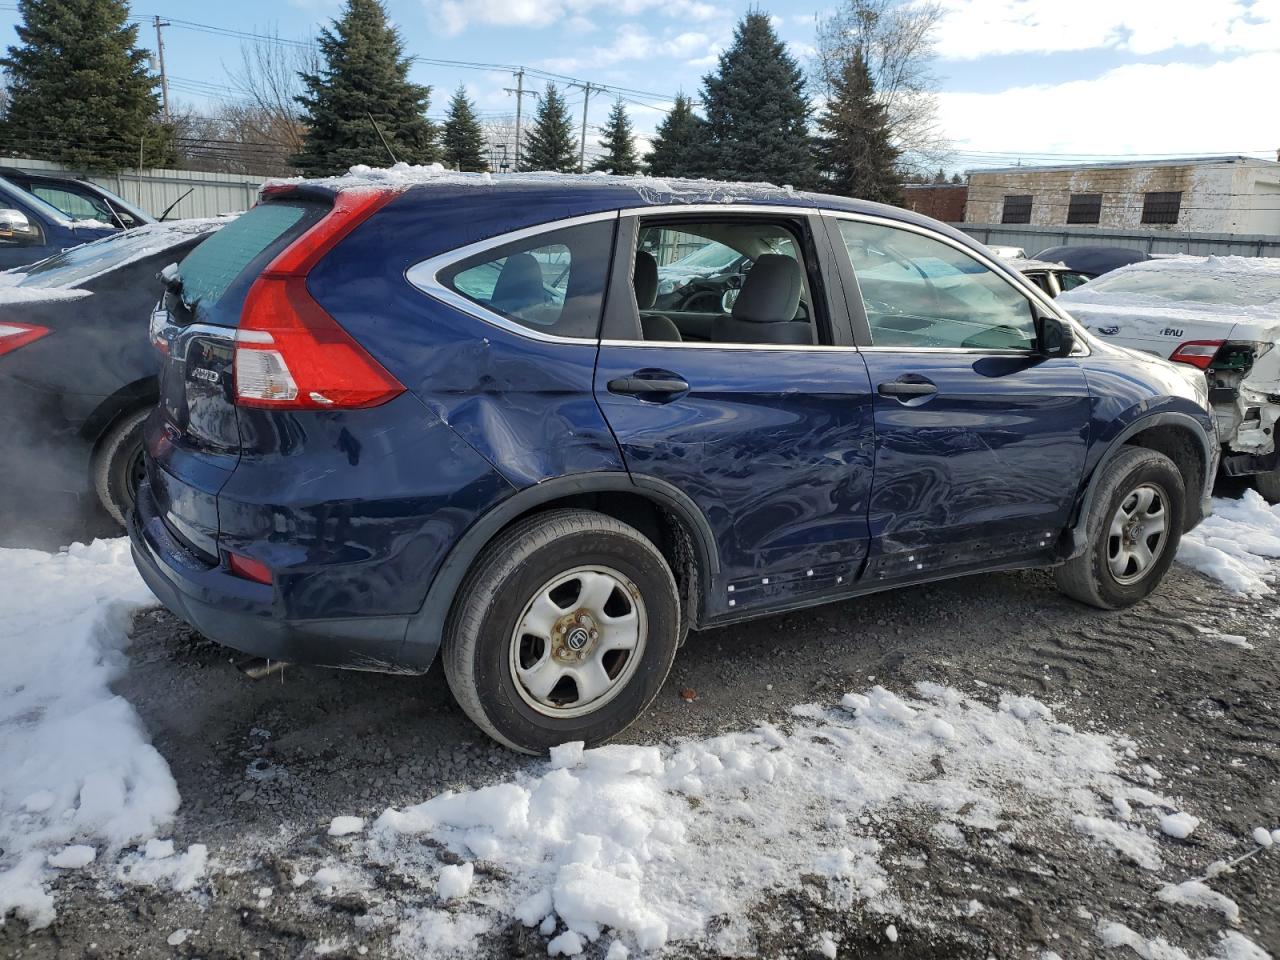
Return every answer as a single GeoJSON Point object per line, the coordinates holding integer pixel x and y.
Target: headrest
{"type": "Point", "coordinates": [519, 284]}
{"type": "Point", "coordinates": [771, 291]}
{"type": "Point", "coordinates": [645, 280]}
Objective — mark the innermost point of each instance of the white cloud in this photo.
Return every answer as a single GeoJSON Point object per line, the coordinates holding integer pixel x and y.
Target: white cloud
{"type": "Point", "coordinates": [631, 43]}
{"type": "Point", "coordinates": [978, 28]}
{"type": "Point", "coordinates": [455, 16]}
{"type": "Point", "coordinates": [1139, 108]}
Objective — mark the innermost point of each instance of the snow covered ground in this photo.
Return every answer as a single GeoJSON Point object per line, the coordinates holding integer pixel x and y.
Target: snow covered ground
{"type": "Point", "coordinates": [79, 778]}
{"type": "Point", "coordinates": [1237, 545]}
{"type": "Point", "coordinates": [624, 850]}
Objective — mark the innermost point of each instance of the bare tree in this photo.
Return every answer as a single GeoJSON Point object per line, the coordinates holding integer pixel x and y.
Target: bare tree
{"type": "Point", "coordinates": [896, 40]}
{"type": "Point", "coordinates": [269, 82]}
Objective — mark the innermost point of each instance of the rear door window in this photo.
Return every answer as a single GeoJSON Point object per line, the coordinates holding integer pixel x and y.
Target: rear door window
{"type": "Point", "coordinates": [550, 283]}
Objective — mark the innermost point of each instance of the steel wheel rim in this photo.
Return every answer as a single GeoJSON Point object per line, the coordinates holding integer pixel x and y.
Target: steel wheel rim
{"type": "Point", "coordinates": [553, 649]}
{"type": "Point", "coordinates": [1138, 534]}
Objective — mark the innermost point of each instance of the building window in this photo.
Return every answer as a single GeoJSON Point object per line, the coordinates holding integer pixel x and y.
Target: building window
{"type": "Point", "coordinates": [1085, 208]}
{"type": "Point", "coordinates": [1017, 208]}
{"type": "Point", "coordinates": [1161, 207]}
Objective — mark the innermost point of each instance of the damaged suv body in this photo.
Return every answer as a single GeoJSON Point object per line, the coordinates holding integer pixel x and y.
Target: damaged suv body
{"type": "Point", "coordinates": [1220, 315]}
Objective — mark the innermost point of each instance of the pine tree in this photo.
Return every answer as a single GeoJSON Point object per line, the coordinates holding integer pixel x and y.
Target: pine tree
{"type": "Point", "coordinates": [940, 176]}
{"type": "Point", "coordinates": [680, 142]}
{"type": "Point", "coordinates": [80, 91]}
{"type": "Point", "coordinates": [551, 144]}
{"type": "Point", "coordinates": [757, 113]}
{"type": "Point", "coordinates": [618, 144]}
{"type": "Point", "coordinates": [462, 145]}
{"type": "Point", "coordinates": [855, 152]}
{"type": "Point", "coordinates": [363, 74]}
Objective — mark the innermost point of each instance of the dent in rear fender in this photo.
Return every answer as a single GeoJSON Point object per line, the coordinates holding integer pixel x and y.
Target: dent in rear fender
{"type": "Point", "coordinates": [526, 405]}
{"type": "Point", "coordinates": [357, 526]}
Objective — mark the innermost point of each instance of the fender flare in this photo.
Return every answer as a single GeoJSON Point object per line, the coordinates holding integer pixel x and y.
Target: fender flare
{"type": "Point", "coordinates": [425, 630]}
{"type": "Point", "coordinates": [1208, 450]}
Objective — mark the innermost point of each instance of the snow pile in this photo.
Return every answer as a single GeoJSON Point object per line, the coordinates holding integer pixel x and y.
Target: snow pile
{"type": "Point", "coordinates": [655, 843]}
{"type": "Point", "coordinates": [1230, 946]}
{"type": "Point", "coordinates": [75, 763]}
{"type": "Point", "coordinates": [1237, 544]}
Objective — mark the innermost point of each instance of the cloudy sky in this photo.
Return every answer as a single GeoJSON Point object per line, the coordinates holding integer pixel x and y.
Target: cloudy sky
{"type": "Point", "coordinates": [1027, 80]}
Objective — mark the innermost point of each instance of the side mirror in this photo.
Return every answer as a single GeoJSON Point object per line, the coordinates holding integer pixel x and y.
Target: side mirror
{"type": "Point", "coordinates": [1055, 338]}
{"type": "Point", "coordinates": [15, 228]}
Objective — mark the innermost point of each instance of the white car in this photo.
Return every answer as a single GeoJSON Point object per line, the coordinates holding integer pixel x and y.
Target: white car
{"type": "Point", "coordinates": [1218, 314]}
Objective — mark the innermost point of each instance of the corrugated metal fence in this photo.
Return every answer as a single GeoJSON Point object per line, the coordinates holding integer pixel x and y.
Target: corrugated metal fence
{"type": "Point", "coordinates": [153, 190]}
{"type": "Point", "coordinates": [1035, 239]}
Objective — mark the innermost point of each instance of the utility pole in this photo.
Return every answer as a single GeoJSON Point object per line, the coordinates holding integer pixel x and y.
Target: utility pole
{"type": "Point", "coordinates": [164, 78]}
{"type": "Point", "coordinates": [519, 91]}
{"type": "Point", "coordinates": [586, 89]}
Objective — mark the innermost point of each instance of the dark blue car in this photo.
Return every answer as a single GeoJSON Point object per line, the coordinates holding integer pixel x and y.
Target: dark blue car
{"type": "Point", "coordinates": [403, 417]}
{"type": "Point", "coordinates": [32, 229]}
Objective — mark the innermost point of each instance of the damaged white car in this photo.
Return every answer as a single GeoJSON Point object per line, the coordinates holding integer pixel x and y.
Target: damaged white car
{"type": "Point", "coordinates": [1219, 314]}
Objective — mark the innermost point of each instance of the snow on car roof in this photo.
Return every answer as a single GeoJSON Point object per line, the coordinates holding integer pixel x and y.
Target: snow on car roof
{"type": "Point", "coordinates": [1184, 287]}
{"type": "Point", "coordinates": [402, 176]}
{"type": "Point", "coordinates": [1024, 264]}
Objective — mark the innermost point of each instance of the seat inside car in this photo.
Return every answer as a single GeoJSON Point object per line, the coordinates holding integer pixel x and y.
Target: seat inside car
{"type": "Point", "coordinates": [766, 306]}
{"type": "Point", "coordinates": [653, 326]}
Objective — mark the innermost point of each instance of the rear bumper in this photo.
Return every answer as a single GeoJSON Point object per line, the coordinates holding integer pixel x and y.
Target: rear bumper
{"type": "Point", "coordinates": [244, 616]}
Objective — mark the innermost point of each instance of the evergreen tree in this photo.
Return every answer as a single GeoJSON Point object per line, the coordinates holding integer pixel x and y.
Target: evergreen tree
{"type": "Point", "coordinates": [363, 74]}
{"type": "Point", "coordinates": [956, 178]}
{"type": "Point", "coordinates": [855, 152]}
{"type": "Point", "coordinates": [80, 91]}
{"type": "Point", "coordinates": [680, 142]}
{"type": "Point", "coordinates": [462, 144]}
{"type": "Point", "coordinates": [551, 144]}
{"type": "Point", "coordinates": [618, 143]}
{"type": "Point", "coordinates": [940, 176]}
{"type": "Point", "coordinates": [757, 113]}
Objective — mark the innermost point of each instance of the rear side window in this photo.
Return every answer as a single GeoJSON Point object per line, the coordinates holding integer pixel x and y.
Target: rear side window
{"type": "Point", "coordinates": [552, 283]}
{"type": "Point", "coordinates": [212, 267]}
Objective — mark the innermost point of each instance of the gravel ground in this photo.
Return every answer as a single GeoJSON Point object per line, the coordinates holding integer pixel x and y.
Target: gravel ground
{"type": "Point", "coordinates": [263, 766]}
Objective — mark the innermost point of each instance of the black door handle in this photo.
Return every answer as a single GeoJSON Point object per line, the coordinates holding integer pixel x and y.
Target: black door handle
{"type": "Point", "coordinates": [649, 386]}
{"type": "Point", "coordinates": [907, 388]}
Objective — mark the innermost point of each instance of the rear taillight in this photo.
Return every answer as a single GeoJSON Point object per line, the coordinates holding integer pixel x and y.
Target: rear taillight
{"type": "Point", "coordinates": [290, 354]}
{"type": "Point", "coordinates": [1198, 353]}
{"type": "Point", "coordinates": [15, 335]}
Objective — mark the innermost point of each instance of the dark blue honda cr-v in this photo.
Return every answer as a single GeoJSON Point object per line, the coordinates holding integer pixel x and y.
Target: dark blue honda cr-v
{"type": "Point", "coordinates": [414, 413]}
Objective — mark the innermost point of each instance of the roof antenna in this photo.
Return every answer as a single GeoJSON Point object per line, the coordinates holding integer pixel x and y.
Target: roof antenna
{"type": "Point", "coordinates": [378, 131]}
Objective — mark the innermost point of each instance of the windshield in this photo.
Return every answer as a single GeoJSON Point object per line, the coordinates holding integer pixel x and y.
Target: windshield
{"type": "Point", "coordinates": [714, 255]}
{"type": "Point", "coordinates": [1242, 289]}
{"type": "Point", "coordinates": [88, 260]}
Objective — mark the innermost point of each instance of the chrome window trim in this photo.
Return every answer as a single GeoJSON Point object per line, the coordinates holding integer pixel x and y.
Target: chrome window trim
{"type": "Point", "coordinates": [425, 276]}
{"type": "Point", "coordinates": [1021, 284]}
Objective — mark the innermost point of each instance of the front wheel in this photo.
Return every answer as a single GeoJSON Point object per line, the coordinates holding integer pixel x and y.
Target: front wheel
{"type": "Point", "coordinates": [564, 630]}
{"type": "Point", "coordinates": [1133, 529]}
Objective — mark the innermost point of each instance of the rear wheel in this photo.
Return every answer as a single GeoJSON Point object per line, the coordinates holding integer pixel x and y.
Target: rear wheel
{"type": "Point", "coordinates": [118, 466]}
{"type": "Point", "coordinates": [1133, 528]}
{"type": "Point", "coordinates": [1268, 484]}
{"type": "Point", "coordinates": [564, 630]}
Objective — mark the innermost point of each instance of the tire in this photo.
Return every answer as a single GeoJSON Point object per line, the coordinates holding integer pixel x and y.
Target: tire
{"type": "Point", "coordinates": [487, 663]}
{"type": "Point", "coordinates": [1268, 484]}
{"type": "Point", "coordinates": [1093, 577]}
{"type": "Point", "coordinates": [117, 464]}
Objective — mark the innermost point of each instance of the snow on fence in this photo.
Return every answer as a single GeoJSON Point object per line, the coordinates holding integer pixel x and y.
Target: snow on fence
{"type": "Point", "coordinates": [212, 194]}
{"type": "Point", "coordinates": [1034, 239]}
